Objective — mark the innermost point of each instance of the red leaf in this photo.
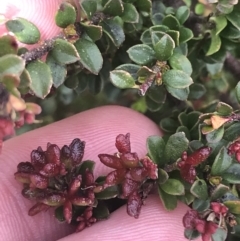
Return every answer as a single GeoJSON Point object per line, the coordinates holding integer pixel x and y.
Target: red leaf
{"type": "Point", "coordinates": [134, 205]}
{"type": "Point", "coordinates": [111, 161]}
{"type": "Point", "coordinates": [123, 143]}
{"type": "Point", "coordinates": [199, 156]}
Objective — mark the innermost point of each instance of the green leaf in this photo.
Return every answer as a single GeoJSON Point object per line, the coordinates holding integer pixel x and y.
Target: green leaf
{"type": "Point", "coordinates": [200, 205]}
{"type": "Point", "coordinates": [114, 31]}
{"type": "Point", "coordinates": [191, 234]}
{"type": "Point", "coordinates": [199, 189]}
{"type": "Point", "coordinates": [215, 43]}
{"type": "Point", "coordinates": [88, 164]}
{"type": "Point", "coordinates": [25, 31]}
{"type": "Point", "coordinates": [162, 176]}
{"type": "Point", "coordinates": [11, 65]}
{"type": "Point", "coordinates": [232, 174]}
{"type": "Point", "coordinates": [173, 187]}
{"type": "Point", "coordinates": [122, 79]}
{"type": "Point", "coordinates": [174, 35]}
{"type": "Point", "coordinates": [224, 8]}
{"type": "Point", "coordinates": [224, 109]}
{"type": "Point", "coordinates": [196, 91]}
{"type": "Point", "coordinates": [89, 7]}
{"type": "Point", "coordinates": [90, 56]}
{"type": "Point", "coordinates": [164, 48]}
{"type": "Point", "coordinates": [185, 34]}
{"type": "Point", "coordinates": [215, 136]}
{"type": "Point", "coordinates": [8, 45]}
{"type": "Point", "coordinates": [233, 206]}
{"type": "Point", "coordinates": [169, 201]}
{"type": "Point", "coordinates": [152, 105]}
{"type": "Point", "coordinates": [171, 22]}
{"type": "Point", "coordinates": [181, 94]}
{"type": "Point", "coordinates": [95, 84]}
{"type": "Point", "coordinates": [101, 212]}
{"type": "Point", "coordinates": [180, 62]}
{"type": "Point", "coordinates": [237, 91]}
{"type": "Point", "coordinates": [113, 7]}
{"type": "Point", "coordinates": [66, 15]}
{"type": "Point", "coordinates": [157, 93]}
{"type": "Point", "coordinates": [132, 69]}
{"type": "Point", "coordinates": [130, 13]}
{"type": "Point", "coordinates": [169, 125]}
{"type": "Point", "coordinates": [219, 191]}
{"type": "Point", "coordinates": [220, 234]}
{"type": "Point", "coordinates": [108, 193]}
{"type": "Point", "coordinates": [144, 5]}
{"type": "Point", "coordinates": [93, 31]}
{"type": "Point", "coordinates": [176, 145]}
{"type": "Point", "coordinates": [221, 163]}
{"type": "Point", "coordinates": [234, 18]}
{"type": "Point", "coordinates": [155, 148]}
{"type": "Point", "coordinates": [156, 36]}
{"type": "Point", "coordinates": [141, 54]}
{"type": "Point", "coordinates": [25, 80]}
{"type": "Point", "coordinates": [157, 18]}
{"type": "Point", "coordinates": [41, 78]}
{"type": "Point", "coordinates": [182, 14]}
{"type": "Point", "coordinates": [58, 71]}
{"type": "Point", "coordinates": [221, 23]}
{"type": "Point", "coordinates": [64, 52]}
{"type": "Point", "coordinates": [177, 79]}
{"type": "Point", "coordinates": [58, 213]}
{"type": "Point", "coordinates": [232, 132]}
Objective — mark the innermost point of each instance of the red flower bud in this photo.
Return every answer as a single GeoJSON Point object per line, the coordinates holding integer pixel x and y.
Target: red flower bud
{"type": "Point", "coordinates": [189, 219]}
{"type": "Point", "coordinates": [50, 170]}
{"type": "Point", "coordinates": [128, 187]}
{"type": "Point", "coordinates": [77, 151]}
{"type": "Point", "coordinates": [138, 174]}
{"type": "Point", "coordinates": [38, 181]}
{"type": "Point", "coordinates": [67, 211]}
{"type": "Point", "coordinates": [130, 160]}
{"type": "Point", "coordinates": [38, 159]}
{"type": "Point", "coordinates": [188, 173]}
{"type": "Point", "coordinates": [134, 205]}
{"type": "Point", "coordinates": [151, 167]}
{"type": "Point", "coordinates": [199, 156]}
{"type": "Point", "coordinates": [219, 208]}
{"type": "Point", "coordinates": [123, 143]}
{"type": "Point", "coordinates": [111, 161]}
{"type": "Point", "coordinates": [37, 208]}
{"type": "Point", "coordinates": [53, 154]}
{"type": "Point", "coordinates": [25, 167]}
{"type": "Point", "coordinates": [75, 185]}
{"type": "Point", "coordinates": [114, 177]}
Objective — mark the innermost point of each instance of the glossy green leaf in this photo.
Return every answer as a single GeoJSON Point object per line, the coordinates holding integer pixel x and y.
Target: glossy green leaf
{"type": "Point", "coordinates": [162, 176]}
{"type": "Point", "coordinates": [185, 34]}
{"type": "Point", "coordinates": [232, 132]}
{"type": "Point", "coordinates": [191, 234]}
{"type": "Point", "coordinates": [234, 18]}
{"type": "Point", "coordinates": [41, 78]}
{"type": "Point", "coordinates": [169, 125]}
{"type": "Point", "coordinates": [232, 174]}
{"type": "Point", "coordinates": [199, 189]}
{"type": "Point", "coordinates": [157, 93]}
{"type": "Point", "coordinates": [224, 8]}
{"type": "Point", "coordinates": [114, 31]}
{"type": "Point", "coordinates": [8, 45]}
{"type": "Point", "coordinates": [155, 148]}
{"type": "Point", "coordinates": [144, 5]}
{"type": "Point", "coordinates": [221, 163]}
{"type": "Point", "coordinates": [25, 31]}
{"type": "Point", "coordinates": [164, 48]}
{"type": "Point", "coordinates": [11, 65]}
{"type": "Point", "coordinates": [25, 80]}
{"type": "Point", "coordinates": [224, 109]}
{"type": "Point", "coordinates": [90, 56]}
{"type": "Point", "coordinates": [215, 44]}
{"type": "Point", "coordinates": [181, 94]}
{"type": "Point", "coordinates": [152, 105]}
{"type": "Point", "coordinates": [108, 193]}
{"type": "Point", "coordinates": [237, 91]}
{"type": "Point", "coordinates": [157, 18]}
{"type": "Point", "coordinates": [11, 82]}
{"type": "Point", "coordinates": [220, 234]}
{"type": "Point", "coordinates": [95, 84]}
{"type": "Point", "coordinates": [182, 14]}
{"type": "Point", "coordinates": [132, 69]}
{"type": "Point", "coordinates": [173, 187]}
{"type": "Point", "coordinates": [171, 22]}
{"type": "Point", "coordinates": [177, 79]}
{"type": "Point", "coordinates": [89, 7]}
{"type": "Point", "coordinates": [113, 7]}
{"type": "Point", "coordinates": [169, 201]}
{"type": "Point", "coordinates": [219, 191]}
{"type": "Point", "coordinates": [101, 212]}
{"type": "Point", "coordinates": [215, 136]}
{"type": "Point", "coordinates": [221, 23]}
{"type": "Point", "coordinates": [141, 54]}
{"type": "Point", "coordinates": [88, 164]}
{"type": "Point", "coordinates": [58, 71]}
{"type": "Point", "coordinates": [93, 31]}
{"type": "Point", "coordinates": [58, 213]}
{"type": "Point", "coordinates": [66, 15]}
{"type": "Point", "coordinates": [200, 205]}
{"type": "Point", "coordinates": [130, 13]}
{"type": "Point", "coordinates": [233, 206]}
{"type": "Point", "coordinates": [174, 35]}
{"type": "Point", "coordinates": [196, 91]}
{"type": "Point", "coordinates": [180, 62]}
{"type": "Point", "coordinates": [176, 145]}
{"type": "Point", "coordinates": [64, 52]}
{"type": "Point", "coordinates": [156, 36]}
{"type": "Point", "coordinates": [122, 79]}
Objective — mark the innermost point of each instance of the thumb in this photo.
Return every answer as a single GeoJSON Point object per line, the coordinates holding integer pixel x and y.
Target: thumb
{"type": "Point", "coordinates": [41, 13]}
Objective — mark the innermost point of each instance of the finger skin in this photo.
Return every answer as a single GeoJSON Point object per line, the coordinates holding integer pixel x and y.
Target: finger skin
{"type": "Point", "coordinates": [98, 127]}
{"type": "Point", "coordinates": [40, 12]}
